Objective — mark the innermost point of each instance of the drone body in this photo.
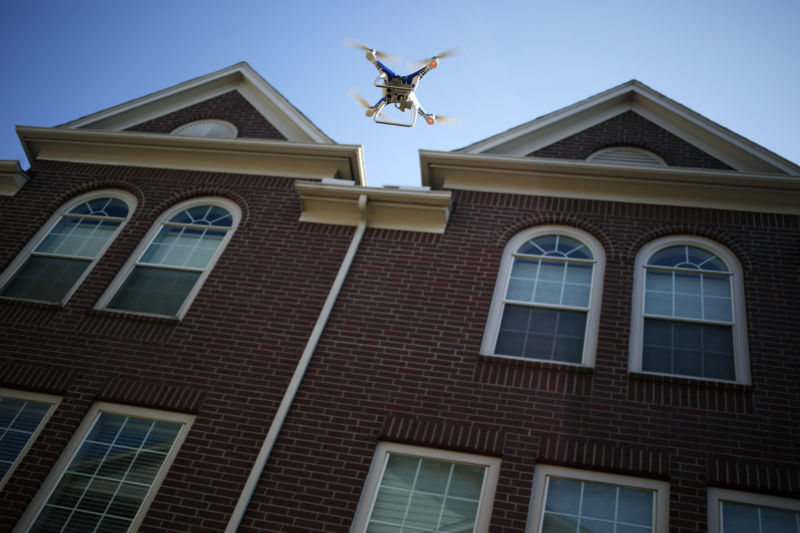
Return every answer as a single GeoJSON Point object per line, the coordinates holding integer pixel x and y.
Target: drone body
{"type": "Point", "coordinates": [396, 89]}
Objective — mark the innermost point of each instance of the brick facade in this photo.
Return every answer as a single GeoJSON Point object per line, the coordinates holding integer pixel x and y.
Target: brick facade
{"type": "Point", "coordinates": [399, 358]}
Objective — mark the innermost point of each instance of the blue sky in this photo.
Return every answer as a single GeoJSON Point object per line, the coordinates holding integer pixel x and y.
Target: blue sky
{"type": "Point", "coordinates": [735, 62]}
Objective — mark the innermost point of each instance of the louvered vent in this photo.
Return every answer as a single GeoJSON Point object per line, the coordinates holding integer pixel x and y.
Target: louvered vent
{"type": "Point", "coordinates": [625, 155]}
{"type": "Point", "coordinates": [207, 128]}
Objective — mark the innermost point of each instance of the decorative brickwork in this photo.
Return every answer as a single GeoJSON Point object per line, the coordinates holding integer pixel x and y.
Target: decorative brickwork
{"type": "Point", "coordinates": [230, 106]}
{"type": "Point", "coordinates": [631, 129]}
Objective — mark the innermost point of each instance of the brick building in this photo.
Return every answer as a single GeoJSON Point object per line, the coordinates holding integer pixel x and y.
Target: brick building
{"type": "Point", "coordinates": [210, 323]}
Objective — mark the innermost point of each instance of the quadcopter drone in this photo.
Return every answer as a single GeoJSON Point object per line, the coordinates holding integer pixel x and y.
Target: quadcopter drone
{"type": "Point", "coordinates": [398, 90]}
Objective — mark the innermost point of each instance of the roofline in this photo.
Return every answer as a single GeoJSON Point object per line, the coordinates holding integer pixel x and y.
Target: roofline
{"type": "Point", "coordinates": [720, 142]}
{"type": "Point", "coordinates": [236, 156]}
{"type": "Point", "coordinates": [241, 75]}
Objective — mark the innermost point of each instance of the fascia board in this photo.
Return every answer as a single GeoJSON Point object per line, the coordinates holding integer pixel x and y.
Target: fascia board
{"type": "Point", "coordinates": [426, 211]}
{"type": "Point", "coordinates": [745, 191]}
{"type": "Point", "coordinates": [12, 178]}
{"type": "Point", "coordinates": [288, 120]}
{"type": "Point", "coordinates": [237, 156]}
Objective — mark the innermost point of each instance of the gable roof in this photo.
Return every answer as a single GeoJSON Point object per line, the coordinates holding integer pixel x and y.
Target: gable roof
{"type": "Point", "coordinates": [732, 149]}
{"type": "Point", "coordinates": [286, 118]}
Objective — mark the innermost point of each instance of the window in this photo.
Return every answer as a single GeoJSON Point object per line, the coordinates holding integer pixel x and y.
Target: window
{"type": "Point", "coordinates": [207, 128]}
{"type": "Point", "coordinates": [61, 255]}
{"type": "Point", "coordinates": [547, 297]}
{"type": "Point", "coordinates": [174, 259]}
{"type": "Point", "coordinates": [109, 472]}
{"type": "Point", "coordinates": [626, 155]}
{"type": "Point", "coordinates": [22, 416]}
{"type": "Point", "coordinates": [688, 311]}
{"type": "Point", "coordinates": [732, 511]}
{"type": "Point", "coordinates": [568, 500]}
{"type": "Point", "coordinates": [414, 489]}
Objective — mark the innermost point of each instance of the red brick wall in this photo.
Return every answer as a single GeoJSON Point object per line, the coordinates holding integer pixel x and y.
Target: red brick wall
{"type": "Point", "coordinates": [631, 129]}
{"type": "Point", "coordinates": [399, 361]}
{"type": "Point", "coordinates": [230, 106]}
{"type": "Point", "coordinates": [399, 358]}
{"type": "Point", "coordinates": [228, 361]}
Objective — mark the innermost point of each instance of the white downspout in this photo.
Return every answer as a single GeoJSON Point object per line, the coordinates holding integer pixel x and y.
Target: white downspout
{"type": "Point", "coordinates": [299, 372]}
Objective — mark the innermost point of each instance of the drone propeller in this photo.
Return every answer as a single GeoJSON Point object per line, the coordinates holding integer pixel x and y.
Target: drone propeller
{"type": "Point", "coordinates": [355, 95]}
{"type": "Point", "coordinates": [450, 121]}
{"type": "Point", "coordinates": [391, 58]}
{"type": "Point", "coordinates": [457, 51]}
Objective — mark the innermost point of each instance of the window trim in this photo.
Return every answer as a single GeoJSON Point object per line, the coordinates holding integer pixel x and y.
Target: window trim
{"type": "Point", "coordinates": [492, 329]}
{"type": "Point", "coordinates": [126, 270]}
{"type": "Point", "coordinates": [542, 471]}
{"type": "Point", "coordinates": [33, 397]}
{"type": "Point", "coordinates": [376, 469]}
{"type": "Point", "coordinates": [11, 270]}
{"type": "Point", "coordinates": [57, 472]}
{"type": "Point", "coordinates": [717, 495]}
{"type": "Point", "coordinates": [740, 347]}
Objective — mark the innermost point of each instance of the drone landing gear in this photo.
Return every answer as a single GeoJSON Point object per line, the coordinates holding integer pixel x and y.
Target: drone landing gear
{"type": "Point", "coordinates": [382, 118]}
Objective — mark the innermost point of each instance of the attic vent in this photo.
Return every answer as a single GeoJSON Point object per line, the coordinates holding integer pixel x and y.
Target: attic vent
{"type": "Point", "coordinates": [625, 155]}
{"type": "Point", "coordinates": [207, 128]}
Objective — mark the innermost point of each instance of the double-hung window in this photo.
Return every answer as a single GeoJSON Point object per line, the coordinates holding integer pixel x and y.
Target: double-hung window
{"type": "Point", "coordinates": [731, 511]}
{"type": "Point", "coordinates": [109, 472]}
{"type": "Point", "coordinates": [565, 500]}
{"type": "Point", "coordinates": [61, 255]}
{"type": "Point", "coordinates": [688, 311]}
{"type": "Point", "coordinates": [22, 415]}
{"type": "Point", "coordinates": [547, 297]}
{"type": "Point", "coordinates": [167, 270]}
{"type": "Point", "coordinates": [413, 490]}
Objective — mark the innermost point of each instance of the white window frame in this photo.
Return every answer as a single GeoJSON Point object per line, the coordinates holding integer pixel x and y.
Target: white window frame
{"type": "Point", "coordinates": [539, 493]}
{"type": "Point", "coordinates": [740, 348]}
{"type": "Point", "coordinates": [44, 231]}
{"type": "Point", "coordinates": [57, 472]}
{"type": "Point", "coordinates": [376, 469]}
{"type": "Point", "coordinates": [202, 128]}
{"type": "Point", "coordinates": [717, 495]}
{"type": "Point", "coordinates": [492, 328]}
{"type": "Point", "coordinates": [130, 264]}
{"type": "Point", "coordinates": [31, 397]}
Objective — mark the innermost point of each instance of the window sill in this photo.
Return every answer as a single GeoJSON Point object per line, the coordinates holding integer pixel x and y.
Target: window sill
{"type": "Point", "coordinates": [690, 381]}
{"type": "Point", "coordinates": [5, 300]}
{"type": "Point", "coordinates": [141, 317]}
{"type": "Point", "coordinates": [535, 364]}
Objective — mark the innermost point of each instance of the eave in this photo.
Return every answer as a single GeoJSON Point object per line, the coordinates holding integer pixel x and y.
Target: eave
{"type": "Point", "coordinates": [423, 211]}
{"type": "Point", "coordinates": [747, 191]}
{"type": "Point", "coordinates": [12, 178]}
{"type": "Point", "coordinates": [234, 156]}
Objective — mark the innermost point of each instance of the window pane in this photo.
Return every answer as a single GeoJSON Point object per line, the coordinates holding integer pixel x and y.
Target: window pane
{"type": "Point", "coordinates": [423, 494]}
{"type": "Point", "coordinates": [47, 279]}
{"type": "Point", "coordinates": [95, 485]}
{"type": "Point", "coordinates": [78, 237]}
{"type": "Point", "coordinates": [685, 348]}
{"type": "Point", "coordinates": [19, 419]}
{"type": "Point", "coordinates": [582, 507]}
{"type": "Point", "coordinates": [542, 333]}
{"type": "Point", "coordinates": [738, 518]}
{"type": "Point", "coordinates": [152, 290]}
{"type": "Point", "coordinates": [183, 247]}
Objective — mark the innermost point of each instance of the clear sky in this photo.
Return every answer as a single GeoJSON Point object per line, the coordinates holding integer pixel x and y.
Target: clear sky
{"type": "Point", "coordinates": [733, 61]}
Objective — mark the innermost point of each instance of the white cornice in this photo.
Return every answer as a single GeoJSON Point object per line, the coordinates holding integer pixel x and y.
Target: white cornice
{"type": "Point", "coordinates": [12, 178]}
{"type": "Point", "coordinates": [424, 211]}
{"type": "Point", "coordinates": [236, 156]}
{"type": "Point", "coordinates": [747, 191]}
{"type": "Point", "coordinates": [269, 102]}
{"type": "Point", "coordinates": [719, 142]}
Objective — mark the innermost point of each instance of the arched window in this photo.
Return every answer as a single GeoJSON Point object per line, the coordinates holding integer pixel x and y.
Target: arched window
{"type": "Point", "coordinates": [688, 311]}
{"type": "Point", "coordinates": [547, 297]}
{"type": "Point", "coordinates": [67, 247]}
{"type": "Point", "coordinates": [174, 259]}
{"type": "Point", "coordinates": [626, 155]}
{"type": "Point", "coordinates": [207, 128]}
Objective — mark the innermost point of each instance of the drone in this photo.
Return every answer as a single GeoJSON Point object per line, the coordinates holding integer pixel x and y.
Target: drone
{"type": "Point", "coordinates": [399, 90]}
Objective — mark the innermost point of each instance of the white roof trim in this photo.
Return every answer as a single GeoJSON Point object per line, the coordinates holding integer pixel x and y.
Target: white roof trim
{"type": "Point", "coordinates": [717, 141]}
{"type": "Point", "coordinates": [722, 189]}
{"type": "Point", "coordinates": [236, 156]}
{"type": "Point", "coordinates": [12, 177]}
{"type": "Point", "coordinates": [286, 118]}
